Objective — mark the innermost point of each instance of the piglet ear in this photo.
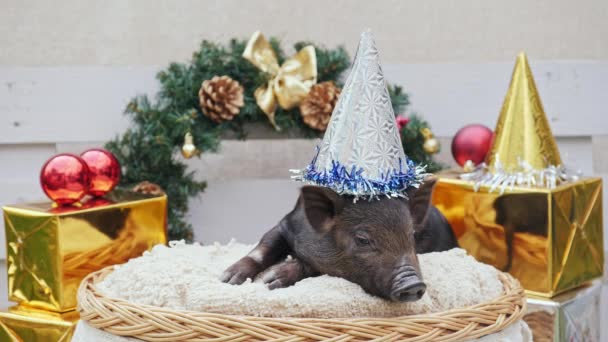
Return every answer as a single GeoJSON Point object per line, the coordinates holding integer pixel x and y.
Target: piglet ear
{"type": "Point", "coordinates": [321, 206]}
{"type": "Point", "coordinates": [419, 199]}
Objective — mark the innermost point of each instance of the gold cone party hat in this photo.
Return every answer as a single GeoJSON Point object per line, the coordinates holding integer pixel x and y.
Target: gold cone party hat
{"type": "Point", "coordinates": [522, 134]}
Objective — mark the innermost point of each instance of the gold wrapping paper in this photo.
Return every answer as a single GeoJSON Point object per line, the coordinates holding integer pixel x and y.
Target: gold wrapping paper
{"type": "Point", "coordinates": [50, 250]}
{"type": "Point", "coordinates": [549, 239]}
{"type": "Point", "coordinates": [19, 324]}
{"type": "Point", "coordinates": [571, 316]}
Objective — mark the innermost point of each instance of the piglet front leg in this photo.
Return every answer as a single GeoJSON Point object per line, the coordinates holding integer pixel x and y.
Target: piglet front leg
{"type": "Point", "coordinates": [246, 267]}
{"type": "Point", "coordinates": [269, 251]}
{"type": "Point", "coordinates": [287, 273]}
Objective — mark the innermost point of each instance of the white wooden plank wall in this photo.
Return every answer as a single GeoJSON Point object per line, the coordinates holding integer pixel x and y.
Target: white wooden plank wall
{"type": "Point", "coordinates": [75, 104]}
{"type": "Point", "coordinates": [46, 110]}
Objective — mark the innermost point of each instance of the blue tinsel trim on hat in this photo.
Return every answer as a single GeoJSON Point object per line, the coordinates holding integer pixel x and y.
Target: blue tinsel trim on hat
{"type": "Point", "coordinates": [352, 182]}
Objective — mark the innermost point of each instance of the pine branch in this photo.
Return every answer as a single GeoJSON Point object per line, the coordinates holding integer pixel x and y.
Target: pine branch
{"type": "Point", "coordinates": [413, 142]}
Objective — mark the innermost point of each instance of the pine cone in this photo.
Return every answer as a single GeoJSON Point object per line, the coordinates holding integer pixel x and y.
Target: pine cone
{"type": "Point", "coordinates": [148, 188]}
{"type": "Point", "coordinates": [317, 107]}
{"type": "Point", "coordinates": [221, 98]}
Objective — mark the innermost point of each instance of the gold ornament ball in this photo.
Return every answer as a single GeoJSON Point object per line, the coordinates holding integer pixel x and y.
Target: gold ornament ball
{"type": "Point", "coordinates": [431, 146]}
{"type": "Point", "coordinates": [188, 149]}
{"type": "Point", "coordinates": [426, 133]}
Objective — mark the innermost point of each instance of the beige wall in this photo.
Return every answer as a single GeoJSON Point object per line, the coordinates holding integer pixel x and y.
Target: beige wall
{"type": "Point", "coordinates": [146, 32]}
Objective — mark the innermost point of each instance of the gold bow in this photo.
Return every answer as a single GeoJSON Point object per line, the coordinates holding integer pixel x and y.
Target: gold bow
{"type": "Point", "coordinates": [288, 84]}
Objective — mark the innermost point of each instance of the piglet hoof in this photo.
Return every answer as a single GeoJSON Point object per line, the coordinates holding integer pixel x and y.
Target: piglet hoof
{"type": "Point", "coordinates": [284, 274]}
{"type": "Point", "coordinates": [240, 271]}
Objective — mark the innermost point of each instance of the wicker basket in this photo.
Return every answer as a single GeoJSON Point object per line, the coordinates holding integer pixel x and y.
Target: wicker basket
{"type": "Point", "coordinates": [150, 323]}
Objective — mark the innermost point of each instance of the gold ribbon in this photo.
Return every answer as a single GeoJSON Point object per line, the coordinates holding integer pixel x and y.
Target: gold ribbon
{"type": "Point", "coordinates": [289, 83]}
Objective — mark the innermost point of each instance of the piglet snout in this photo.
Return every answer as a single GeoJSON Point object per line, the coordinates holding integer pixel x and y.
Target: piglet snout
{"type": "Point", "coordinates": [407, 285]}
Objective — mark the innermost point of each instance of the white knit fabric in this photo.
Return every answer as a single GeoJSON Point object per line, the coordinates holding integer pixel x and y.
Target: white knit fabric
{"type": "Point", "coordinates": [185, 277]}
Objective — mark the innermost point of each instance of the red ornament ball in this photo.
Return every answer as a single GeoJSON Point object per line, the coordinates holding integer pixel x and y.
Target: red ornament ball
{"type": "Point", "coordinates": [104, 171]}
{"type": "Point", "coordinates": [402, 121]}
{"type": "Point", "coordinates": [65, 178]}
{"type": "Point", "coordinates": [472, 143]}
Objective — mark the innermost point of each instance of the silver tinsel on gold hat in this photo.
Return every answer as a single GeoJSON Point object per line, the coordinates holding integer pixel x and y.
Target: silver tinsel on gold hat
{"type": "Point", "coordinates": [361, 153]}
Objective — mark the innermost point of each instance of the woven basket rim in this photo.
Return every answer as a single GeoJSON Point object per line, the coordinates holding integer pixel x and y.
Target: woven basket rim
{"type": "Point", "coordinates": [156, 324]}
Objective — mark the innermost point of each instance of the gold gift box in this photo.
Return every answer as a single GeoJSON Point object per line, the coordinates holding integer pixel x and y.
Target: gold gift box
{"type": "Point", "coordinates": [571, 316]}
{"type": "Point", "coordinates": [549, 239]}
{"type": "Point", "coordinates": [19, 324]}
{"type": "Point", "coordinates": [50, 249]}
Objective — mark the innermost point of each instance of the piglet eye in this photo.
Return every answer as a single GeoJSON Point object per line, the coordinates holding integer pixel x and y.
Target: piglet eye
{"type": "Point", "coordinates": [362, 240]}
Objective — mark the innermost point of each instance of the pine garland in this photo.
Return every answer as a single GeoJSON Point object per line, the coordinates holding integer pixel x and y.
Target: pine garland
{"type": "Point", "coordinates": [413, 140]}
{"type": "Point", "coordinates": [149, 150]}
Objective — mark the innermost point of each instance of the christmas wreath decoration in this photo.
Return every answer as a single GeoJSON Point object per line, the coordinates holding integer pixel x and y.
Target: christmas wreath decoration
{"type": "Point", "coordinates": [219, 93]}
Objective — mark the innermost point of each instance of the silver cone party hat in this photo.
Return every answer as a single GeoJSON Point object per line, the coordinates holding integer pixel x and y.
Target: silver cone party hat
{"type": "Point", "coordinates": [361, 153]}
